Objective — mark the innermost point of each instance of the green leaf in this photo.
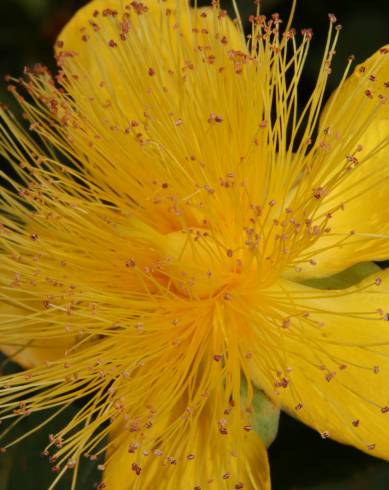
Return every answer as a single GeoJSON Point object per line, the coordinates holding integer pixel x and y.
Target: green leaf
{"type": "Point", "coordinates": [349, 277]}
{"type": "Point", "coordinates": [266, 417]}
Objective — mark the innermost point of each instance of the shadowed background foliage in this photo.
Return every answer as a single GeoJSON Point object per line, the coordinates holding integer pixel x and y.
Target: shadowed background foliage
{"type": "Point", "coordinates": [299, 458]}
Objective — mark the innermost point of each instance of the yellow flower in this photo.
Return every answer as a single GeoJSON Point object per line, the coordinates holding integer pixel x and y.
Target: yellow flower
{"type": "Point", "coordinates": [165, 225]}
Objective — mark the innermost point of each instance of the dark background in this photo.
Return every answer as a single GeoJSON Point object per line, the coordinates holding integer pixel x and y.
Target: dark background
{"type": "Point", "coordinates": [299, 458]}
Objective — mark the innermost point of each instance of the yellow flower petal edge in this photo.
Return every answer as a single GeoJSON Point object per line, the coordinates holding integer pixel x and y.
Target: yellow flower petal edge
{"type": "Point", "coordinates": [99, 17]}
{"type": "Point", "coordinates": [225, 462]}
{"type": "Point", "coordinates": [32, 352]}
{"type": "Point", "coordinates": [359, 223]}
{"type": "Point", "coordinates": [332, 371]}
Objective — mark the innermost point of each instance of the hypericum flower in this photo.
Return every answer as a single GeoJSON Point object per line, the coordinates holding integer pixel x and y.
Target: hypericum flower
{"type": "Point", "coordinates": [163, 230]}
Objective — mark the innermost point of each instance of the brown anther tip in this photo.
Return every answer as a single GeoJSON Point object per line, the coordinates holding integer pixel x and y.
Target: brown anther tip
{"type": "Point", "coordinates": [34, 236]}
{"type": "Point", "coordinates": [214, 118]}
{"type": "Point", "coordinates": [370, 447]}
{"type": "Point", "coordinates": [378, 281]}
{"type": "Point", "coordinates": [385, 409]}
{"type": "Point", "coordinates": [112, 44]}
{"type": "Point", "coordinates": [151, 72]}
{"type": "Point", "coordinates": [307, 33]}
{"type": "Point", "coordinates": [286, 323]}
{"type": "Point", "coordinates": [355, 422]}
{"type": "Point", "coordinates": [332, 18]}
{"type": "Point", "coordinates": [217, 357]}
{"type": "Point", "coordinates": [136, 468]}
{"type": "Point", "coordinates": [230, 253]}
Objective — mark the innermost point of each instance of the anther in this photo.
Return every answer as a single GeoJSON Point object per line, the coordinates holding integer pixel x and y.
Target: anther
{"type": "Point", "coordinates": [136, 468]}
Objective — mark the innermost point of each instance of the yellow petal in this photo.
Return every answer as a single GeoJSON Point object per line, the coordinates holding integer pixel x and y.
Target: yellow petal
{"type": "Point", "coordinates": [94, 27]}
{"type": "Point", "coordinates": [351, 103]}
{"type": "Point", "coordinates": [29, 352]}
{"type": "Point", "coordinates": [359, 226]}
{"type": "Point", "coordinates": [359, 230]}
{"type": "Point", "coordinates": [329, 361]}
{"type": "Point", "coordinates": [209, 459]}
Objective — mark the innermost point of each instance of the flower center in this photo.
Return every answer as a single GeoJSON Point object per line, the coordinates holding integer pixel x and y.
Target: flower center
{"type": "Point", "coordinates": [198, 264]}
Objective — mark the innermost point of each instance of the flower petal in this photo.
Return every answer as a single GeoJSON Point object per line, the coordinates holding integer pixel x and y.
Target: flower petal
{"type": "Point", "coordinates": [29, 352]}
{"type": "Point", "coordinates": [205, 462]}
{"type": "Point", "coordinates": [359, 222]}
{"type": "Point", "coordinates": [351, 103]}
{"type": "Point", "coordinates": [102, 17]}
{"type": "Point", "coordinates": [328, 364]}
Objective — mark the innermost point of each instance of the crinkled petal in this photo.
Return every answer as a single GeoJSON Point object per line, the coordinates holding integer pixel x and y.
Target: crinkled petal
{"type": "Point", "coordinates": [359, 222]}
{"type": "Point", "coordinates": [328, 364]}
